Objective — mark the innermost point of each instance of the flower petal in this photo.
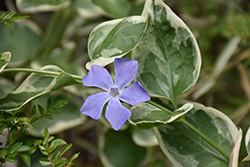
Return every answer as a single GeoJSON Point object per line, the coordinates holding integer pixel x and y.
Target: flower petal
{"type": "Point", "coordinates": [116, 113]}
{"type": "Point", "coordinates": [125, 71]}
{"type": "Point", "coordinates": [99, 77]}
{"type": "Point", "coordinates": [134, 94]}
{"type": "Point", "coordinates": [93, 105]}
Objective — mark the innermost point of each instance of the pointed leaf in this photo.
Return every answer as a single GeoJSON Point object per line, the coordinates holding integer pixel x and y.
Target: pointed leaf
{"type": "Point", "coordinates": [44, 162]}
{"type": "Point", "coordinates": [19, 16]}
{"type": "Point", "coordinates": [26, 159]}
{"type": "Point", "coordinates": [7, 15]}
{"type": "Point", "coordinates": [9, 23]}
{"type": "Point", "coordinates": [185, 148]}
{"type": "Point", "coordinates": [4, 60]}
{"type": "Point", "coordinates": [15, 147]}
{"type": "Point", "coordinates": [145, 115]}
{"type": "Point", "coordinates": [64, 149]}
{"type": "Point", "coordinates": [74, 157]}
{"type": "Point", "coordinates": [115, 38]}
{"type": "Point", "coordinates": [35, 85]}
{"type": "Point", "coordinates": [168, 56]}
{"type": "Point", "coordinates": [55, 143]}
{"type": "Point", "coordinates": [23, 148]}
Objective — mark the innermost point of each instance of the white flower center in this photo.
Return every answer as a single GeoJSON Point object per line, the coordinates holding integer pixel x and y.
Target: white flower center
{"type": "Point", "coordinates": [113, 91]}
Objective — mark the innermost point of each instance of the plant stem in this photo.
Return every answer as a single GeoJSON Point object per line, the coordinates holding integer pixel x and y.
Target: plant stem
{"type": "Point", "coordinates": [39, 72]}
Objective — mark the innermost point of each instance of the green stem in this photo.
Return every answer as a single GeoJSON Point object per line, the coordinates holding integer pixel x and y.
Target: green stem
{"type": "Point", "coordinates": [197, 131]}
{"type": "Point", "coordinates": [39, 72]}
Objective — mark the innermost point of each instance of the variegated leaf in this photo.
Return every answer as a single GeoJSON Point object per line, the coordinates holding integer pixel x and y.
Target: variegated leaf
{"type": "Point", "coordinates": [115, 38]}
{"type": "Point", "coordinates": [169, 57]}
{"type": "Point", "coordinates": [35, 85]}
{"type": "Point", "coordinates": [86, 9]}
{"type": "Point", "coordinates": [34, 6]}
{"type": "Point", "coordinates": [247, 145]}
{"type": "Point", "coordinates": [4, 60]}
{"type": "Point", "coordinates": [144, 137]}
{"type": "Point", "coordinates": [185, 148]}
{"type": "Point", "coordinates": [145, 115]}
{"type": "Point", "coordinates": [114, 8]}
{"type": "Point", "coordinates": [234, 159]}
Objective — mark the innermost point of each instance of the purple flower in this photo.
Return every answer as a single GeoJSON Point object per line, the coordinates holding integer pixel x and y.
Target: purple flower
{"type": "Point", "coordinates": [116, 113]}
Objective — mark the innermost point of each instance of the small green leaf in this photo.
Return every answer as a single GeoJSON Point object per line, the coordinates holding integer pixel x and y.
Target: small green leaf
{"type": "Point", "coordinates": [19, 16]}
{"type": "Point", "coordinates": [13, 130]}
{"type": "Point", "coordinates": [38, 142]}
{"type": "Point", "coordinates": [32, 149]}
{"type": "Point", "coordinates": [74, 157]}
{"type": "Point", "coordinates": [60, 103]}
{"type": "Point", "coordinates": [23, 148]}
{"type": "Point", "coordinates": [54, 156]}
{"type": "Point", "coordinates": [51, 138]}
{"type": "Point", "coordinates": [61, 162]}
{"type": "Point", "coordinates": [64, 149]}
{"type": "Point", "coordinates": [4, 152]}
{"type": "Point", "coordinates": [25, 131]}
{"type": "Point", "coordinates": [7, 15]}
{"type": "Point", "coordinates": [11, 158]}
{"type": "Point", "coordinates": [26, 159]}
{"type": "Point", "coordinates": [48, 116]}
{"type": "Point", "coordinates": [55, 143]}
{"type": "Point", "coordinates": [15, 147]}
{"type": "Point", "coordinates": [40, 109]}
{"type": "Point", "coordinates": [49, 103]}
{"type": "Point", "coordinates": [9, 23]}
{"type": "Point", "coordinates": [44, 162]}
{"type": "Point", "coordinates": [46, 133]}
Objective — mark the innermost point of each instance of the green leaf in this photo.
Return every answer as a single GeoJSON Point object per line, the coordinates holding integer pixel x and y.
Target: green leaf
{"type": "Point", "coordinates": [74, 157]}
{"type": "Point", "coordinates": [60, 162]}
{"type": "Point", "coordinates": [26, 159]}
{"type": "Point", "coordinates": [64, 149]}
{"type": "Point", "coordinates": [115, 9]}
{"type": "Point", "coordinates": [11, 158]}
{"type": "Point", "coordinates": [44, 162]}
{"type": "Point", "coordinates": [23, 148]}
{"type": "Point", "coordinates": [9, 23]}
{"type": "Point", "coordinates": [4, 152]}
{"type": "Point", "coordinates": [15, 147]}
{"type": "Point", "coordinates": [48, 116]}
{"type": "Point", "coordinates": [35, 85]}
{"type": "Point", "coordinates": [21, 54]}
{"type": "Point", "coordinates": [19, 16]}
{"type": "Point", "coordinates": [115, 38]}
{"type": "Point", "coordinates": [4, 60]}
{"type": "Point", "coordinates": [60, 103]}
{"type": "Point", "coordinates": [38, 142]}
{"type": "Point", "coordinates": [40, 109]}
{"type": "Point", "coordinates": [34, 6]}
{"type": "Point", "coordinates": [46, 134]}
{"type": "Point", "coordinates": [145, 115]}
{"type": "Point", "coordinates": [55, 143]}
{"type": "Point", "coordinates": [7, 15]}
{"type": "Point", "coordinates": [168, 56]}
{"type": "Point", "coordinates": [118, 149]}
{"type": "Point", "coordinates": [185, 148]}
